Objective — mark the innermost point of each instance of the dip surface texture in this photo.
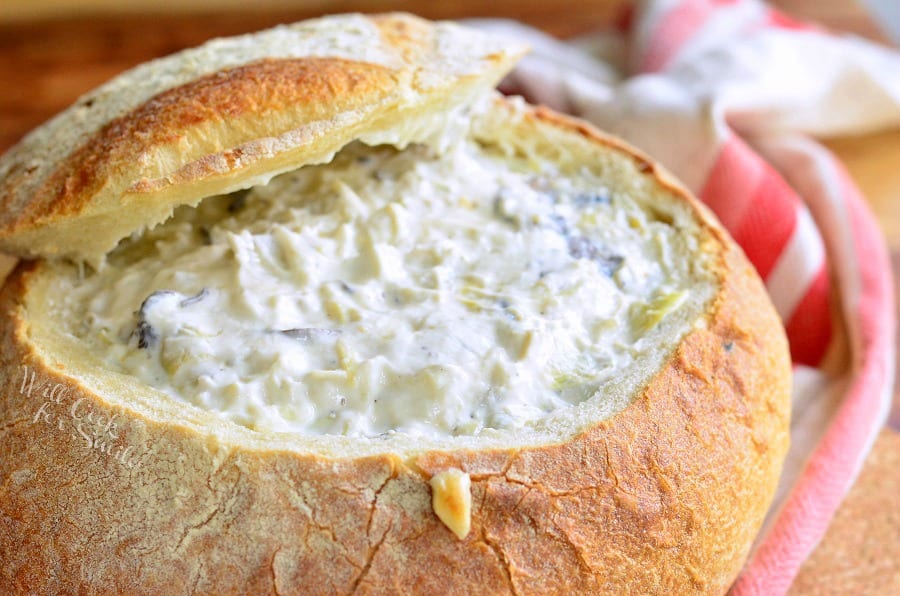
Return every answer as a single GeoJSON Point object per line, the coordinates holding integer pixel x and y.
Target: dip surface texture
{"type": "Point", "coordinates": [415, 291]}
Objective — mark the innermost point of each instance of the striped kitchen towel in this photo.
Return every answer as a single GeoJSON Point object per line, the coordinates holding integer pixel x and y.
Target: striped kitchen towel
{"type": "Point", "coordinates": [728, 95]}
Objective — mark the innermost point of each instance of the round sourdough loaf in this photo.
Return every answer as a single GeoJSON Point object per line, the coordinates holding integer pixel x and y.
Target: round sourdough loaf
{"type": "Point", "coordinates": [658, 483]}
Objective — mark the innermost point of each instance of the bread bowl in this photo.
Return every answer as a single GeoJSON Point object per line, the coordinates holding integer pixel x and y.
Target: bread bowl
{"type": "Point", "coordinates": [650, 473]}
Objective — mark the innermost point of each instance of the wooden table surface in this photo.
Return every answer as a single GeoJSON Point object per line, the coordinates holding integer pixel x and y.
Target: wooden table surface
{"type": "Point", "coordinates": [45, 64]}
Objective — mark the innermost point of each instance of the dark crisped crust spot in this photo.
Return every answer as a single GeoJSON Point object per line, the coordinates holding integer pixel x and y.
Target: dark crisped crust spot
{"type": "Point", "coordinates": [315, 85]}
{"type": "Point", "coordinates": [406, 36]}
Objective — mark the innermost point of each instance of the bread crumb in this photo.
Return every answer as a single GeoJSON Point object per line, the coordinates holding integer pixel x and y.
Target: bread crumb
{"type": "Point", "coordinates": [451, 499]}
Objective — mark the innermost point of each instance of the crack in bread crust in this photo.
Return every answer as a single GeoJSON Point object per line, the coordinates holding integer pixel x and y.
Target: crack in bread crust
{"type": "Point", "coordinates": [674, 487]}
{"type": "Point", "coordinates": [664, 497]}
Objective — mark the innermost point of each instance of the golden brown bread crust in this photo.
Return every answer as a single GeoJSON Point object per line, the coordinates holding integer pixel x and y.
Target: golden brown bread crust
{"type": "Point", "coordinates": [226, 115]}
{"type": "Point", "coordinates": [322, 86]}
{"type": "Point", "coordinates": [664, 497]}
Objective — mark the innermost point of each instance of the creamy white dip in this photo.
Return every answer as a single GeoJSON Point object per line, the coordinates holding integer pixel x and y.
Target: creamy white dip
{"type": "Point", "coordinates": [390, 291]}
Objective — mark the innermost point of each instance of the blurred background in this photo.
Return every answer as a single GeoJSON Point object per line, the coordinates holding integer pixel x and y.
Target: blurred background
{"type": "Point", "coordinates": [52, 51]}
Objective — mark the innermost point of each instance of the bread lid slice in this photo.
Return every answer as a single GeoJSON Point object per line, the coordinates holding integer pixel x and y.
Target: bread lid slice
{"type": "Point", "coordinates": [232, 114]}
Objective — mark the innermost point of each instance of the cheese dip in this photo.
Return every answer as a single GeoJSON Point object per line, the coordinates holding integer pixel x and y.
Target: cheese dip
{"type": "Point", "coordinates": [389, 291]}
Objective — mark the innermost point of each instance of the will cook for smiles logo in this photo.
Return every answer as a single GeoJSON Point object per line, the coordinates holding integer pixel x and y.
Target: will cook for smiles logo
{"type": "Point", "coordinates": [59, 410]}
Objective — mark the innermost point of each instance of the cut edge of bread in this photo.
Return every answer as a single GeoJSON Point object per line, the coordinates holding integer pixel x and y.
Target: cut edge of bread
{"type": "Point", "coordinates": [521, 130]}
{"type": "Point", "coordinates": [232, 114]}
